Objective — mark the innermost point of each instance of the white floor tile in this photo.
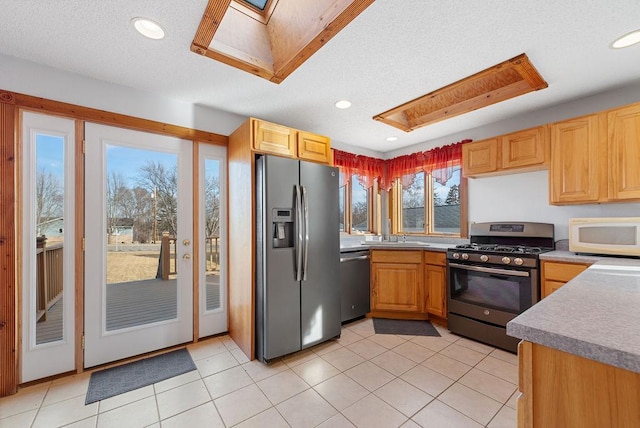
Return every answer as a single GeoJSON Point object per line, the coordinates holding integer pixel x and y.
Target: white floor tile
{"type": "Point", "coordinates": [476, 346]}
{"type": "Point", "coordinates": [216, 363]}
{"type": "Point", "coordinates": [20, 420]}
{"type": "Point", "coordinates": [269, 418]}
{"type": "Point", "coordinates": [348, 337]}
{"type": "Point", "coordinates": [133, 415]}
{"type": "Point", "coordinates": [505, 356]}
{"type": "Point", "coordinates": [434, 343]}
{"type": "Point", "coordinates": [307, 409]}
{"type": "Point", "coordinates": [388, 341]}
{"type": "Point", "coordinates": [449, 367]}
{"type": "Point", "coordinates": [64, 412]}
{"type": "Point", "coordinates": [204, 415]}
{"type": "Point", "coordinates": [91, 422]}
{"type": "Point", "coordinates": [242, 404]}
{"type": "Point", "coordinates": [499, 368]}
{"type": "Point", "coordinates": [403, 396]}
{"type": "Point", "coordinates": [431, 382]}
{"type": "Point", "coordinates": [325, 347]}
{"type": "Point", "coordinates": [369, 375]}
{"type": "Point", "coordinates": [506, 418]}
{"type": "Point", "coordinates": [463, 354]}
{"type": "Point", "coordinates": [394, 363]}
{"type": "Point", "coordinates": [489, 385]}
{"type": "Point", "coordinates": [372, 412]}
{"type": "Point", "coordinates": [206, 348]}
{"type": "Point", "coordinates": [366, 348]}
{"type": "Point", "coordinates": [67, 387]}
{"type": "Point", "coordinates": [258, 371]}
{"type": "Point", "coordinates": [29, 398]}
{"type": "Point", "coordinates": [343, 359]}
{"type": "Point", "coordinates": [437, 414]}
{"type": "Point", "coordinates": [227, 381]}
{"type": "Point", "coordinates": [473, 404]}
{"type": "Point", "coordinates": [341, 391]}
{"type": "Point", "coordinates": [513, 400]}
{"type": "Point", "coordinates": [182, 398]}
{"type": "Point", "coordinates": [176, 381]}
{"type": "Point", "coordinates": [299, 358]}
{"type": "Point", "coordinates": [413, 351]}
{"type": "Point", "coordinates": [315, 371]}
{"type": "Point", "coordinates": [282, 386]}
{"type": "Point", "coordinates": [337, 421]}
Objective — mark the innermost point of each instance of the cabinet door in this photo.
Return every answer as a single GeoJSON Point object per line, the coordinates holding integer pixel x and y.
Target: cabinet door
{"type": "Point", "coordinates": [273, 139]}
{"type": "Point", "coordinates": [525, 148]}
{"type": "Point", "coordinates": [314, 147]}
{"type": "Point", "coordinates": [397, 287]}
{"type": "Point", "coordinates": [480, 157]}
{"type": "Point", "coordinates": [575, 167]}
{"type": "Point", "coordinates": [435, 285]}
{"type": "Point", "coordinates": [624, 153]}
{"type": "Point", "coordinates": [549, 287]}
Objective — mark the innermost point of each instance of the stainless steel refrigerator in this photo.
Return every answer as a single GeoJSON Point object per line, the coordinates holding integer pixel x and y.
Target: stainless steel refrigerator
{"type": "Point", "coordinates": [298, 256]}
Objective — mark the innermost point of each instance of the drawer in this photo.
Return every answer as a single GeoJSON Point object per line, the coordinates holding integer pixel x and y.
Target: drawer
{"type": "Point", "coordinates": [562, 271]}
{"type": "Point", "coordinates": [435, 258]}
{"type": "Point", "coordinates": [396, 256]}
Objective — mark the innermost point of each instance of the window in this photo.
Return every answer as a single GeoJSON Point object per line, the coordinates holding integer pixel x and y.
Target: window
{"type": "Point", "coordinates": [355, 207]}
{"type": "Point", "coordinates": [426, 206]}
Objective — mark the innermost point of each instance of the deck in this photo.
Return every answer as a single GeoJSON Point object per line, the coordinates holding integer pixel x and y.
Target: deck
{"type": "Point", "coordinates": [131, 304]}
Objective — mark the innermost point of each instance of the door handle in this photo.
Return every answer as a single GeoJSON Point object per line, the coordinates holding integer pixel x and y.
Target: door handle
{"type": "Point", "coordinates": [305, 207]}
{"type": "Point", "coordinates": [298, 202]}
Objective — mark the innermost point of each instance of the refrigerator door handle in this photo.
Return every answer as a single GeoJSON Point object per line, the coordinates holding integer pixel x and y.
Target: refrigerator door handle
{"type": "Point", "coordinates": [305, 207]}
{"type": "Point", "coordinates": [299, 232]}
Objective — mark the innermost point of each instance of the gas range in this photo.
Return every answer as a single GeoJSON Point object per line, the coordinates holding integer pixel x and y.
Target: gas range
{"type": "Point", "coordinates": [516, 255]}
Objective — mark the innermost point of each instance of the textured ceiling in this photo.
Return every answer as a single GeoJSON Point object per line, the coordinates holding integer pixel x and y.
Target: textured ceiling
{"type": "Point", "coordinates": [393, 52]}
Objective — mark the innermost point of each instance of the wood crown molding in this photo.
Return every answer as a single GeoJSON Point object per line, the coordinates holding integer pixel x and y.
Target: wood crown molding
{"type": "Point", "coordinates": [274, 47]}
{"type": "Point", "coordinates": [511, 78]}
{"type": "Point", "coordinates": [107, 118]}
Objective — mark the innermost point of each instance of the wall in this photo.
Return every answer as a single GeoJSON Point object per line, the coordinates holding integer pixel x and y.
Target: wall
{"type": "Point", "coordinates": [525, 197]}
{"type": "Point", "coordinates": [41, 81]}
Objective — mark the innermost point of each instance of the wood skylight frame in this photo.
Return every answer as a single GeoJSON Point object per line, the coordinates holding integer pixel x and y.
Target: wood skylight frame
{"type": "Point", "coordinates": [501, 82]}
{"type": "Point", "coordinates": [274, 44]}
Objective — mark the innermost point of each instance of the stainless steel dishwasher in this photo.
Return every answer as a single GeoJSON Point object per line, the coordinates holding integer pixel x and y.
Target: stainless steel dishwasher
{"type": "Point", "coordinates": [354, 284]}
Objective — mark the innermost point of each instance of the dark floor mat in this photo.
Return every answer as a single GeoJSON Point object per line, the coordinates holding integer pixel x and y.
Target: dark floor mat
{"type": "Point", "coordinates": [406, 327]}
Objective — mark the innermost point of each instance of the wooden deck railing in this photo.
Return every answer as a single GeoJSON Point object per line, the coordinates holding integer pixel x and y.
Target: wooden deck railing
{"type": "Point", "coordinates": [167, 262]}
{"type": "Point", "coordinates": [49, 278]}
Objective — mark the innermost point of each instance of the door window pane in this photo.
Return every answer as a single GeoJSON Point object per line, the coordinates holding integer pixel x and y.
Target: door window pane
{"type": "Point", "coordinates": [413, 212]}
{"type": "Point", "coordinates": [49, 216]}
{"type": "Point", "coordinates": [446, 204]}
{"type": "Point", "coordinates": [212, 232]}
{"type": "Point", "coordinates": [141, 219]}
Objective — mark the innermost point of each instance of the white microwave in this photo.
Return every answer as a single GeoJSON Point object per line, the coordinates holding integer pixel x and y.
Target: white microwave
{"type": "Point", "coordinates": [612, 235]}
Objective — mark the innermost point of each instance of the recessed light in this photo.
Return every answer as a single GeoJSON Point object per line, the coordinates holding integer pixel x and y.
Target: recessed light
{"type": "Point", "coordinates": [627, 40]}
{"type": "Point", "coordinates": [343, 104]}
{"type": "Point", "coordinates": [148, 28]}
{"type": "Point", "coordinates": [390, 139]}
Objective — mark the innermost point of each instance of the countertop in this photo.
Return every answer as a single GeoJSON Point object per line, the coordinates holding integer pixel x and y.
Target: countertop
{"type": "Point", "coordinates": [596, 315]}
{"type": "Point", "coordinates": [416, 245]}
{"type": "Point", "coordinates": [568, 256]}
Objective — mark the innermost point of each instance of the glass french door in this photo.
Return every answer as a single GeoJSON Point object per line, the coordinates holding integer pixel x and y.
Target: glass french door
{"type": "Point", "coordinates": [48, 240]}
{"type": "Point", "coordinates": [212, 207]}
{"type": "Point", "coordinates": [138, 251]}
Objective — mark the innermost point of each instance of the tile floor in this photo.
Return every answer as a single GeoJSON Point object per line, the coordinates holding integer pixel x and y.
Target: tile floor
{"type": "Point", "coordinates": [362, 379]}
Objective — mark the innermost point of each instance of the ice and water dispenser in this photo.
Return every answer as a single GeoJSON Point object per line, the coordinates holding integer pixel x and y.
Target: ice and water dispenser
{"type": "Point", "coordinates": [282, 227]}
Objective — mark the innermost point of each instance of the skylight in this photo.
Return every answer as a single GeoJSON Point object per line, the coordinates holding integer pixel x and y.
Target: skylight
{"type": "Point", "coordinates": [258, 4]}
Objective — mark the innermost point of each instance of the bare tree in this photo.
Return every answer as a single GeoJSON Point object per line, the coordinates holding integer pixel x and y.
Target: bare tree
{"type": "Point", "coordinates": [212, 206]}
{"type": "Point", "coordinates": [155, 175]}
{"type": "Point", "coordinates": [49, 196]}
{"type": "Point", "coordinates": [359, 215]}
{"type": "Point", "coordinates": [118, 197]}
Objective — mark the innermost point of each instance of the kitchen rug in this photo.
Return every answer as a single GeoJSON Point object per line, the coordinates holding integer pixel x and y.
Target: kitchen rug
{"type": "Point", "coordinates": [406, 327]}
{"type": "Point", "coordinates": [127, 377]}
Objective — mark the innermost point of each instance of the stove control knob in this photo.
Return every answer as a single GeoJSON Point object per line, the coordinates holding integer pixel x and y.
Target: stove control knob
{"type": "Point", "coordinates": [506, 260]}
{"type": "Point", "coordinates": [484, 257]}
{"type": "Point", "coordinates": [456, 256]}
{"type": "Point", "coordinates": [518, 261]}
{"type": "Point", "coordinates": [465, 256]}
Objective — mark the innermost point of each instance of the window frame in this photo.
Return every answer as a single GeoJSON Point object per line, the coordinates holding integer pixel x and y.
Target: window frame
{"type": "Point", "coordinates": [348, 203]}
{"type": "Point", "coordinates": [396, 209]}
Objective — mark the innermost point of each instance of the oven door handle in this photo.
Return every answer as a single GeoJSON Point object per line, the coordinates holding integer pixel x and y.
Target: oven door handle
{"type": "Point", "coordinates": [490, 270]}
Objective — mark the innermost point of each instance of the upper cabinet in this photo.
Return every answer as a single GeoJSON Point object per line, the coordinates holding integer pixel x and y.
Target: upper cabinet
{"type": "Point", "coordinates": [524, 150]}
{"type": "Point", "coordinates": [283, 141]}
{"type": "Point", "coordinates": [596, 158]}
{"type": "Point", "coordinates": [624, 153]}
{"type": "Point", "coordinates": [578, 160]}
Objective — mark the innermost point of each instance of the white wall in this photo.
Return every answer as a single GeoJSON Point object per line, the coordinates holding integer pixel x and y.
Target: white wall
{"type": "Point", "coordinates": [29, 78]}
{"type": "Point", "coordinates": [525, 197]}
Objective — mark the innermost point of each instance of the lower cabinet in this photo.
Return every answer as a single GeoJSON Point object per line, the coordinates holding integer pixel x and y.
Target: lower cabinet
{"type": "Point", "coordinates": [397, 289]}
{"type": "Point", "coordinates": [556, 274]}
{"type": "Point", "coordinates": [435, 282]}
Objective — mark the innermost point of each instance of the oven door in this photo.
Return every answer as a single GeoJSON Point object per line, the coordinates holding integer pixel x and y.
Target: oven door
{"type": "Point", "coordinates": [494, 295]}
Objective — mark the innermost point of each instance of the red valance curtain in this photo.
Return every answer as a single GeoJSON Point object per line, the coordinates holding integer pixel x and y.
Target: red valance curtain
{"type": "Point", "coordinates": [438, 162]}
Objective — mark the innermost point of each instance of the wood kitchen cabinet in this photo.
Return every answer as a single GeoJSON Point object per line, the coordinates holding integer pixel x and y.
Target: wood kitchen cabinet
{"type": "Point", "coordinates": [280, 140]}
{"type": "Point", "coordinates": [596, 158]}
{"type": "Point", "coordinates": [558, 389]}
{"type": "Point", "coordinates": [397, 289]}
{"type": "Point", "coordinates": [577, 172]}
{"type": "Point", "coordinates": [624, 153]}
{"type": "Point", "coordinates": [556, 274]}
{"type": "Point", "coordinates": [435, 283]}
{"type": "Point", "coordinates": [524, 150]}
